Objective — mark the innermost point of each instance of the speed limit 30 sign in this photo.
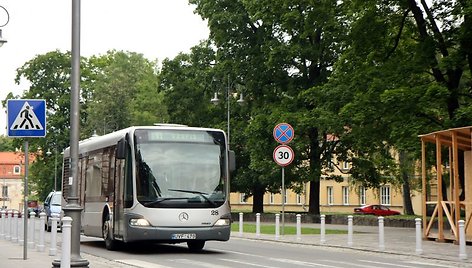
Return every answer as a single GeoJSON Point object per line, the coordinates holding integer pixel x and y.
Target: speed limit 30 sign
{"type": "Point", "coordinates": [283, 155]}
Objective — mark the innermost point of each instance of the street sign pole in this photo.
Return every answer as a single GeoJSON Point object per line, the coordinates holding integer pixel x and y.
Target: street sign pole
{"type": "Point", "coordinates": [283, 201]}
{"type": "Point", "coordinates": [25, 204]}
{"type": "Point", "coordinates": [283, 155]}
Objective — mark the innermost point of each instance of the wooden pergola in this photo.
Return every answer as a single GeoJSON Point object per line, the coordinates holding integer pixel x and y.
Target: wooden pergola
{"type": "Point", "coordinates": [454, 139]}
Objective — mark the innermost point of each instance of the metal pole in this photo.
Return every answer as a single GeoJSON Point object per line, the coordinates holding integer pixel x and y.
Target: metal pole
{"type": "Point", "coordinates": [55, 168]}
{"type": "Point", "coordinates": [277, 226]}
{"type": "Point", "coordinates": [241, 224]}
{"type": "Point", "coordinates": [25, 205]}
{"type": "Point", "coordinates": [73, 208]}
{"type": "Point", "coordinates": [258, 224]}
{"type": "Point", "coordinates": [283, 201]}
{"type": "Point", "coordinates": [227, 104]}
{"type": "Point", "coordinates": [299, 227]}
{"type": "Point", "coordinates": [419, 245]}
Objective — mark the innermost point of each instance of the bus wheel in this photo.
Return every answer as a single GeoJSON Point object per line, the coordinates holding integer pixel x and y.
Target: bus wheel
{"type": "Point", "coordinates": [196, 245]}
{"type": "Point", "coordinates": [110, 243]}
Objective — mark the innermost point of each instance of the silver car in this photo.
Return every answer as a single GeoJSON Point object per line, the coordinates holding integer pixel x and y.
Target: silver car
{"type": "Point", "coordinates": [52, 205]}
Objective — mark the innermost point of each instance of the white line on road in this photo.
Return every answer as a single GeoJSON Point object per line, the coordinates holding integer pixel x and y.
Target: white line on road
{"type": "Point", "coordinates": [248, 263]}
{"type": "Point", "coordinates": [390, 264]}
{"type": "Point", "coordinates": [194, 263]}
{"type": "Point", "coordinates": [141, 264]}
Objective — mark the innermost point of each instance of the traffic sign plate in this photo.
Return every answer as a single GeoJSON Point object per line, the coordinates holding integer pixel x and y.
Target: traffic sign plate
{"type": "Point", "coordinates": [26, 118]}
{"type": "Point", "coordinates": [283, 133]}
{"type": "Point", "coordinates": [283, 155]}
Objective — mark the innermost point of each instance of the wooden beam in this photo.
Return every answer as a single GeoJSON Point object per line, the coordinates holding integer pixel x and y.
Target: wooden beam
{"type": "Point", "coordinates": [440, 195]}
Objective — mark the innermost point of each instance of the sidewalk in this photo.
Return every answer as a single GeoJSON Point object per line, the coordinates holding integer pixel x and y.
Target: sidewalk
{"type": "Point", "coordinates": [398, 241]}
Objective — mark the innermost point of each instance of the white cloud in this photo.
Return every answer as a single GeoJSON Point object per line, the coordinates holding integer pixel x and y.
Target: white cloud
{"type": "Point", "coordinates": [156, 28]}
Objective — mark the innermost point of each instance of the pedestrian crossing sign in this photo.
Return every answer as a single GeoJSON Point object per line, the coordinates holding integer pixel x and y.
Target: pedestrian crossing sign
{"type": "Point", "coordinates": [26, 118]}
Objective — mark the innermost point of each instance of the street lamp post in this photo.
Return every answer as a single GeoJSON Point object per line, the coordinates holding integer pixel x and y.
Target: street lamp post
{"type": "Point", "coordinates": [240, 101]}
{"type": "Point", "coordinates": [55, 166]}
{"type": "Point", "coordinates": [3, 23]}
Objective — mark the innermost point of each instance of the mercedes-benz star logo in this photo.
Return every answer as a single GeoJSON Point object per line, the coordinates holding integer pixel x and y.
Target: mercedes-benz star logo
{"type": "Point", "coordinates": [183, 216]}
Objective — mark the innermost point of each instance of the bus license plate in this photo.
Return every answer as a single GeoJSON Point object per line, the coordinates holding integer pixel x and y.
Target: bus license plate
{"type": "Point", "coordinates": [184, 236]}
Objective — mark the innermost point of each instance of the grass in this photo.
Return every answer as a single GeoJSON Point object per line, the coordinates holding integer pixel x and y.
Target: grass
{"type": "Point", "coordinates": [288, 230]}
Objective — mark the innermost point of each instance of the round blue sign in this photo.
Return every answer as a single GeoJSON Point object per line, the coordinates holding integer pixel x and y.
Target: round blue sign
{"type": "Point", "coordinates": [283, 133]}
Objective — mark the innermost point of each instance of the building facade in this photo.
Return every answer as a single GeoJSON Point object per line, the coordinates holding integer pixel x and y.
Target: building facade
{"type": "Point", "coordinates": [11, 179]}
{"type": "Point", "coordinates": [335, 197]}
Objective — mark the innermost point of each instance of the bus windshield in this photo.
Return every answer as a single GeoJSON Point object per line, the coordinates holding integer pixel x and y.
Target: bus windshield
{"type": "Point", "coordinates": [176, 169]}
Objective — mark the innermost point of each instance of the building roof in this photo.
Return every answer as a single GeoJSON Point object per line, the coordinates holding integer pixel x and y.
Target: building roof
{"type": "Point", "coordinates": [11, 158]}
{"type": "Point", "coordinates": [463, 135]}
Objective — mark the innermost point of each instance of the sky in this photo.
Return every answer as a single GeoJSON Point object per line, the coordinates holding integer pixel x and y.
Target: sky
{"type": "Point", "coordinates": [158, 29]}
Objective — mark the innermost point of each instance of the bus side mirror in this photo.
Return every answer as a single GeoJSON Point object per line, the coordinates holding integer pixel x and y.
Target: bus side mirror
{"type": "Point", "coordinates": [232, 161]}
{"type": "Point", "coordinates": [121, 149]}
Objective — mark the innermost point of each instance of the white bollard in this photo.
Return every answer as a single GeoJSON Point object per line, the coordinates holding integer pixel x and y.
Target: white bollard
{"type": "Point", "coordinates": [53, 248]}
{"type": "Point", "coordinates": [42, 218]}
{"type": "Point", "coordinates": [349, 230]}
{"type": "Point", "coordinates": [21, 235]}
{"type": "Point", "coordinates": [277, 226]}
{"type": "Point", "coordinates": [419, 243]}
{"type": "Point", "coordinates": [258, 224]}
{"type": "Point", "coordinates": [299, 227]}
{"type": "Point", "coordinates": [381, 233]}
{"type": "Point", "coordinates": [322, 229]}
{"type": "Point", "coordinates": [14, 233]}
{"type": "Point", "coordinates": [2, 225]}
{"type": "Point", "coordinates": [66, 242]}
{"type": "Point", "coordinates": [241, 224]}
{"type": "Point", "coordinates": [31, 230]}
{"type": "Point", "coordinates": [8, 227]}
{"type": "Point", "coordinates": [462, 251]}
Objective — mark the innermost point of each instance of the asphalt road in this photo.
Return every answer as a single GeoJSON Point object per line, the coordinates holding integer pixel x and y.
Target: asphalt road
{"type": "Point", "coordinates": [240, 252]}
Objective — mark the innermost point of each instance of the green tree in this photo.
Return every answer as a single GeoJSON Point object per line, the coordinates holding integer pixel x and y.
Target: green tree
{"type": "Point", "coordinates": [125, 93]}
{"type": "Point", "coordinates": [277, 49]}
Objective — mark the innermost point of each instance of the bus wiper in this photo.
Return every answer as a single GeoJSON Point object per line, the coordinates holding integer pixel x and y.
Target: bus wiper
{"type": "Point", "coordinates": [159, 200]}
{"type": "Point", "coordinates": [202, 194]}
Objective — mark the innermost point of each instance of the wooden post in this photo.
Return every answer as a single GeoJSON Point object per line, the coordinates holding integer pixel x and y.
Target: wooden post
{"type": "Point", "coordinates": [440, 195]}
{"type": "Point", "coordinates": [423, 188]}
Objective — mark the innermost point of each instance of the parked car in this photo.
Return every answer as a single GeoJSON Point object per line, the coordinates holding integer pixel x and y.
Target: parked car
{"type": "Point", "coordinates": [377, 210]}
{"type": "Point", "coordinates": [52, 205]}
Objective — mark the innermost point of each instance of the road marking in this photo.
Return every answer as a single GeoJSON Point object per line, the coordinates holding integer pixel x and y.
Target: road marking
{"type": "Point", "coordinates": [389, 264]}
{"type": "Point", "coordinates": [197, 263]}
{"type": "Point", "coordinates": [282, 260]}
{"type": "Point", "coordinates": [248, 263]}
{"type": "Point", "coordinates": [428, 264]}
{"type": "Point", "coordinates": [141, 264]}
{"type": "Point", "coordinates": [350, 264]}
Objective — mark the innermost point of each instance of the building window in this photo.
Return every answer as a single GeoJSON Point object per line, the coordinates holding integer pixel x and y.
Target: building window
{"type": "Point", "coordinates": [299, 199]}
{"type": "Point", "coordinates": [285, 197]}
{"type": "Point", "coordinates": [4, 191]}
{"type": "Point", "coordinates": [362, 195]}
{"type": "Point", "coordinates": [16, 170]}
{"type": "Point", "coordinates": [242, 198]}
{"type": "Point", "coordinates": [385, 195]}
{"type": "Point", "coordinates": [345, 165]}
{"type": "Point", "coordinates": [345, 195]}
{"type": "Point", "coordinates": [271, 198]}
{"type": "Point", "coordinates": [330, 193]}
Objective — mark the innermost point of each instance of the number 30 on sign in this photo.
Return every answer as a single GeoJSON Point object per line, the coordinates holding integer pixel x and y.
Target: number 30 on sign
{"type": "Point", "coordinates": [283, 155]}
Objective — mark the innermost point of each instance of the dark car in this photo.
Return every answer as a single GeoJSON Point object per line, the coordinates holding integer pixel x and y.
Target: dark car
{"type": "Point", "coordinates": [377, 210]}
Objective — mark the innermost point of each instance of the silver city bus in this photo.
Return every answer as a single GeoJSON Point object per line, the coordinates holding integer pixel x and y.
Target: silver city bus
{"type": "Point", "coordinates": [162, 183]}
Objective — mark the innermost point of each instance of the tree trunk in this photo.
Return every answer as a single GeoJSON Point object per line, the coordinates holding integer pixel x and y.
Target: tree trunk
{"type": "Point", "coordinates": [258, 200]}
{"type": "Point", "coordinates": [315, 168]}
{"type": "Point", "coordinates": [314, 206]}
{"type": "Point", "coordinates": [407, 205]}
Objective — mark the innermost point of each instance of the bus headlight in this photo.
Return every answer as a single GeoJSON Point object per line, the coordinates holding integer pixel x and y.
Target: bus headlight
{"type": "Point", "coordinates": [223, 222]}
{"type": "Point", "coordinates": [139, 222]}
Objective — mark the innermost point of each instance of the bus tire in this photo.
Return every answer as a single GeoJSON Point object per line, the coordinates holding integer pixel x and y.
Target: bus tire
{"type": "Point", "coordinates": [196, 245]}
{"type": "Point", "coordinates": [110, 243]}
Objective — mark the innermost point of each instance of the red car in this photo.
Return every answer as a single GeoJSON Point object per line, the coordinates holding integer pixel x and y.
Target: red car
{"type": "Point", "coordinates": [376, 210]}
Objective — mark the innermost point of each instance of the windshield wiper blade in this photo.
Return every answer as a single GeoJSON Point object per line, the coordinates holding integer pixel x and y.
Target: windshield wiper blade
{"type": "Point", "coordinates": [202, 194]}
{"type": "Point", "coordinates": [159, 200]}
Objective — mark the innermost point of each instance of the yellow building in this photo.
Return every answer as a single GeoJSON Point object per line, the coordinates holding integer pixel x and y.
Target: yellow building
{"type": "Point", "coordinates": [335, 197]}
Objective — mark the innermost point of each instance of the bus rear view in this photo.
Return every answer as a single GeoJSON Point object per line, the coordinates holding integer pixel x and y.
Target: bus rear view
{"type": "Point", "coordinates": [158, 183]}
